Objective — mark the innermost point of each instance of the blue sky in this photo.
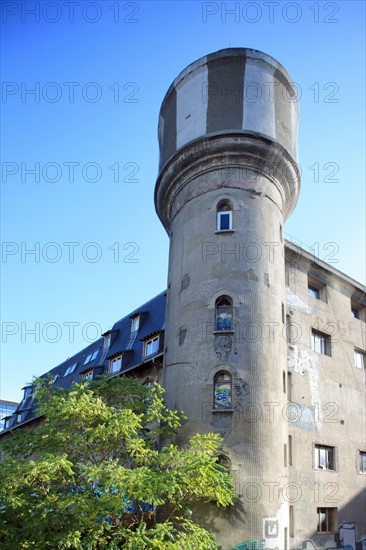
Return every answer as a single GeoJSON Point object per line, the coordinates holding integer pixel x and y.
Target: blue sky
{"type": "Point", "coordinates": [99, 71]}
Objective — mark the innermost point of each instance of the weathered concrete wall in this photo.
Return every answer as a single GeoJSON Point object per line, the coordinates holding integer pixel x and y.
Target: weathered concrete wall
{"type": "Point", "coordinates": [217, 144]}
{"type": "Point", "coordinates": [233, 161]}
{"type": "Point", "coordinates": [329, 393]}
{"type": "Point", "coordinates": [234, 89]}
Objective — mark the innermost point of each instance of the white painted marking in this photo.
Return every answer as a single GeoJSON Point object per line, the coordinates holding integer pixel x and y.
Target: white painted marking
{"type": "Point", "coordinates": [192, 106]}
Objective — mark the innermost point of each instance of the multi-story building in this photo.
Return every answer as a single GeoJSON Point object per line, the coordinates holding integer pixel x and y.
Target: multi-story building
{"type": "Point", "coordinates": [255, 338]}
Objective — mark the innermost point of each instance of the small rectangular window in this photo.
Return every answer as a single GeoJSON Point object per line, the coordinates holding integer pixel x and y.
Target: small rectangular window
{"type": "Point", "coordinates": [135, 323]}
{"type": "Point", "coordinates": [290, 450]}
{"type": "Point", "coordinates": [224, 221]}
{"type": "Point", "coordinates": [327, 520]}
{"type": "Point", "coordinates": [107, 340]}
{"type": "Point", "coordinates": [151, 346]}
{"type": "Point", "coordinates": [362, 469]}
{"type": "Point", "coordinates": [291, 521]}
{"type": "Point", "coordinates": [289, 386]}
{"type": "Point", "coordinates": [316, 289]}
{"type": "Point", "coordinates": [314, 292]}
{"type": "Point", "coordinates": [359, 359]}
{"type": "Point", "coordinates": [287, 275]}
{"type": "Point", "coordinates": [324, 457]}
{"type": "Point", "coordinates": [355, 312]}
{"type": "Point", "coordinates": [358, 310]}
{"type": "Point", "coordinates": [285, 454]}
{"type": "Point", "coordinates": [284, 381]}
{"type": "Point", "coordinates": [320, 342]}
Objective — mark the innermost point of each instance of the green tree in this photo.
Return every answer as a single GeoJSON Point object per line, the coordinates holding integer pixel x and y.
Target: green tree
{"type": "Point", "coordinates": [94, 473]}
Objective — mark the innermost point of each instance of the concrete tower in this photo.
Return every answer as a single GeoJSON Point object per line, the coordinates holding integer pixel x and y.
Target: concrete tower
{"type": "Point", "coordinates": [228, 180]}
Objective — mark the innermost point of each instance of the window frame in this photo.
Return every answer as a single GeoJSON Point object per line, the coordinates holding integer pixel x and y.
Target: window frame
{"type": "Point", "coordinates": [70, 369]}
{"type": "Point", "coordinates": [358, 311]}
{"type": "Point", "coordinates": [291, 521]}
{"type": "Point", "coordinates": [91, 357]}
{"type": "Point", "coordinates": [358, 353]}
{"type": "Point", "coordinates": [88, 375]}
{"type": "Point", "coordinates": [230, 313]}
{"type": "Point", "coordinates": [317, 289]}
{"type": "Point", "coordinates": [224, 208]}
{"type": "Point", "coordinates": [362, 463]}
{"type": "Point", "coordinates": [151, 340]}
{"type": "Point", "coordinates": [329, 463]}
{"type": "Point", "coordinates": [289, 386]}
{"type": "Point", "coordinates": [325, 342]}
{"type": "Point", "coordinates": [330, 519]}
{"type": "Point", "coordinates": [223, 404]}
{"type": "Point", "coordinates": [135, 323]}
{"type": "Point", "coordinates": [289, 447]}
{"type": "Point", "coordinates": [113, 360]}
{"type": "Point", "coordinates": [28, 390]}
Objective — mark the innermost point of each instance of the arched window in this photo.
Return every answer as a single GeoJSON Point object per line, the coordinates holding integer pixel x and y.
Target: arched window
{"type": "Point", "coordinates": [222, 390]}
{"type": "Point", "coordinates": [224, 221]}
{"type": "Point", "coordinates": [224, 313]}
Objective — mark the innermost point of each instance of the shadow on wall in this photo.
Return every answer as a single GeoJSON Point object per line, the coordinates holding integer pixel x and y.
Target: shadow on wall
{"type": "Point", "coordinates": [350, 534]}
{"type": "Point", "coordinates": [351, 530]}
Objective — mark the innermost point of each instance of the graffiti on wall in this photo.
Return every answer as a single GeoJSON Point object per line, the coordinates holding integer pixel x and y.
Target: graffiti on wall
{"type": "Point", "coordinates": [252, 544]}
{"type": "Point", "coordinates": [347, 536]}
{"type": "Point", "coordinates": [273, 539]}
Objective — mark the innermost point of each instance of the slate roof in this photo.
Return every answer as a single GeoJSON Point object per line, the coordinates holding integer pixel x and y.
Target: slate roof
{"type": "Point", "coordinates": [97, 355]}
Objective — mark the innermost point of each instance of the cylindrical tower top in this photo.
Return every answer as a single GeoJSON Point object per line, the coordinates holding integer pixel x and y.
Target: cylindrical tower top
{"type": "Point", "coordinates": [236, 89]}
{"type": "Point", "coordinates": [235, 109]}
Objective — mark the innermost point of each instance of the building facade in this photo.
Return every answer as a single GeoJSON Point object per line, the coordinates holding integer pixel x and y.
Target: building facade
{"type": "Point", "coordinates": [254, 338]}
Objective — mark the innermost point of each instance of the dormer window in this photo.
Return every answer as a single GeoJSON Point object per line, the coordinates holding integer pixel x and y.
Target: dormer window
{"type": "Point", "coordinates": [88, 375]}
{"type": "Point", "coordinates": [151, 346]}
{"type": "Point", "coordinates": [91, 356]}
{"type": "Point", "coordinates": [135, 323]}
{"type": "Point", "coordinates": [27, 392]}
{"type": "Point", "coordinates": [115, 364]}
{"type": "Point", "coordinates": [19, 417]}
{"type": "Point", "coordinates": [224, 217]}
{"type": "Point", "coordinates": [70, 369]}
{"type": "Point", "coordinates": [107, 340]}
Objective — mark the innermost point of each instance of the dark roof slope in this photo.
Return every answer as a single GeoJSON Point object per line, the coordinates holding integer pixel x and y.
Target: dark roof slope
{"type": "Point", "coordinates": [97, 355]}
